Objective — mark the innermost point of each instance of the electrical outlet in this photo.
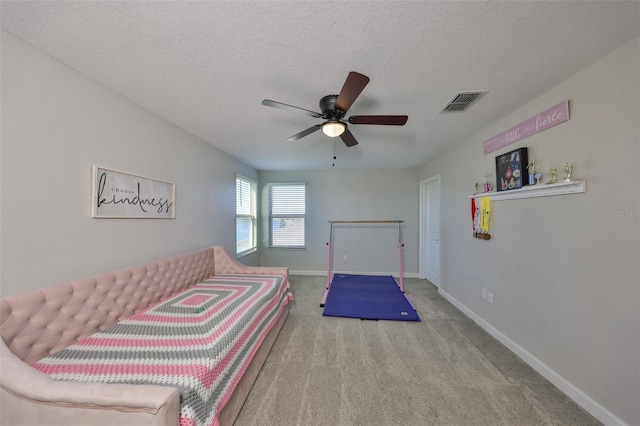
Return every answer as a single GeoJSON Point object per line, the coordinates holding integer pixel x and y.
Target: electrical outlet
{"type": "Point", "coordinates": [484, 293]}
{"type": "Point", "coordinates": [345, 258]}
{"type": "Point", "coordinates": [490, 297]}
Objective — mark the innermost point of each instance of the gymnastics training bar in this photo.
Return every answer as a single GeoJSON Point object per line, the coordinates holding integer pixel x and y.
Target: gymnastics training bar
{"type": "Point", "coordinates": [330, 245]}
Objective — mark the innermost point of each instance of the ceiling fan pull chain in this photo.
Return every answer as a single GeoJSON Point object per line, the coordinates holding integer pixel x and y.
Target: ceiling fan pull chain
{"type": "Point", "coordinates": [334, 153]}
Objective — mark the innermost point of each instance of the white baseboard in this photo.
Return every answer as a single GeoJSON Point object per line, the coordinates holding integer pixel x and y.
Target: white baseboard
{"type": "Point", "coordinates": [309, 273]}
{"type": "Point", "coordinates": [324, 273]}
{"type": "Point", "coordinates": [582, 399]}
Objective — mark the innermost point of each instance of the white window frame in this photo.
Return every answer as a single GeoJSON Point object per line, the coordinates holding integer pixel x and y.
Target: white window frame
{"type": "Point", "coordinates": [296, 212]}
{"type": "Point", "coordinates": [245, 215]}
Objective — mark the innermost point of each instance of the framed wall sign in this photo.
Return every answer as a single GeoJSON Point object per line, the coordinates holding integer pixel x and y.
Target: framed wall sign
{"type": "Point", "coordinates": [546, 119]}
{"type": "Point", "coordinates": [510, 170]}
{"type": "Point", "coordinates": [116, 194]}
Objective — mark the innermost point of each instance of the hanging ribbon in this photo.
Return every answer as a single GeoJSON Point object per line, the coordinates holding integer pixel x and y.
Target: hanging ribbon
{"type": "Point", "coordinates": [481, 217]}
{"type": "Point", "coordinates": [473, 214]}
{"type": "Point", "coordinates": [485, 213]}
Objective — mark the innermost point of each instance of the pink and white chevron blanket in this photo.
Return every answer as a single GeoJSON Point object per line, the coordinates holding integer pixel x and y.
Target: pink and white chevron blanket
{"type": "Point", "coordinates": [200, 341]}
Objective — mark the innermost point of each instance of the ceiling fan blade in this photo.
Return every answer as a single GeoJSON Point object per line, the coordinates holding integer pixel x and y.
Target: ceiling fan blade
{"type": "Point", "coordinates": [353, 86]}
{"type": "Point", "coordinates": [269, 102]}
{"type": "Point", "coordinates": [385, 120]}
{"type": "Point", "coordinates": [348, 139]}
{"type": "Point", "coordinates": [304, 133]}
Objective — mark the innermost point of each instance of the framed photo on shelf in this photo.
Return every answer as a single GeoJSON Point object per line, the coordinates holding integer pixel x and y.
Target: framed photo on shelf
{"type": "Point", "coordinates": [511, 170]}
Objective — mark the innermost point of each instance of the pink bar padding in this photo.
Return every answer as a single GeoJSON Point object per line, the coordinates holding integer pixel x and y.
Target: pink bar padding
{"type": "Point", "coordinates": [401, 274]}
{"type": "Point", "coordinates": [324, 296]}
{"type": "Point", "coordinates": [329, 268]}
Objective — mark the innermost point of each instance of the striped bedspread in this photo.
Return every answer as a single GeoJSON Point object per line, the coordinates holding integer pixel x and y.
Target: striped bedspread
{"type": "Point", "coordinates": [199, 341]}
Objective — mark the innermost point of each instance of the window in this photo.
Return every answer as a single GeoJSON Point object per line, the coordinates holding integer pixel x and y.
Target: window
{"type": "Point", "coordinates": [246, 223]}
{"type": "Point", "coordinates": [286, 215]}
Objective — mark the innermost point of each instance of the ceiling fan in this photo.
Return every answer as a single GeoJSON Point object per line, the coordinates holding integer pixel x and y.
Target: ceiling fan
{"type": "Point", "coordinates": [334, 109]}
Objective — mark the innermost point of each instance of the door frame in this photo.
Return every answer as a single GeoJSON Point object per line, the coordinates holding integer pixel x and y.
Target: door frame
{"type": "Point", "coordinates": [422, 249]}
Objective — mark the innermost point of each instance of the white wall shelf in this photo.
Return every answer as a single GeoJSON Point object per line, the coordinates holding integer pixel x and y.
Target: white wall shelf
{"type": "Point", "coordinates": [539, 190]}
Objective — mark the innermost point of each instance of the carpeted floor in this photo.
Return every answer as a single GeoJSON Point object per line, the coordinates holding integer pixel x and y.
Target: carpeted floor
{"type": "Point", "coordinates": [444, 370]}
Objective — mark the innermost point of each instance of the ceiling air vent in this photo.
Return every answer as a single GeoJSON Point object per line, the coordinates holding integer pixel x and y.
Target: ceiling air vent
{"type": "Point", "coordinates": [461, 101]}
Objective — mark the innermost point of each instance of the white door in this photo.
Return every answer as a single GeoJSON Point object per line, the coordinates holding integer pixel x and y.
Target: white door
{"type": "Point", "coordinates": [430, 230]}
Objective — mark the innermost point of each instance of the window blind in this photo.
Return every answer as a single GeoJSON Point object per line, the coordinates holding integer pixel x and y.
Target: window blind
{"type": "Point", "coordinates": [287, 209]}
{"type": "Point", "coordinates": [246, 222]}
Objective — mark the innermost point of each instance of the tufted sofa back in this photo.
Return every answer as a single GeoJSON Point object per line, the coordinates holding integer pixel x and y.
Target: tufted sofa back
{"type": "Point", "coordinates": [43, 322]}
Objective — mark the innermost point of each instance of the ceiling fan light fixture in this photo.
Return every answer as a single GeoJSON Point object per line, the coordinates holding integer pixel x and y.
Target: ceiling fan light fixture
{"type": "Point", "coordinates": [333, 128]}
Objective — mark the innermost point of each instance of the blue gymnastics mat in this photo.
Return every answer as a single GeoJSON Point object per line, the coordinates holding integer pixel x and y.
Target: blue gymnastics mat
{"type": "Point", "coordinates": [368, 297]}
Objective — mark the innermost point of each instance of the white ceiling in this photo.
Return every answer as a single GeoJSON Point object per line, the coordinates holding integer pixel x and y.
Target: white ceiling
{"type": "Point", "coordinates": [206, 66]}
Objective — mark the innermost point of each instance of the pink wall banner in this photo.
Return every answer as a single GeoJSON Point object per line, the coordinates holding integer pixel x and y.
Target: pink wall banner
{"type": "Point", "coordinates": [546, 119]}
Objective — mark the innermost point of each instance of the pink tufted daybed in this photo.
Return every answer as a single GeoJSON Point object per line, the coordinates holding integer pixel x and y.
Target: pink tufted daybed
{"type": "Point", "coordinates": [37, 327]}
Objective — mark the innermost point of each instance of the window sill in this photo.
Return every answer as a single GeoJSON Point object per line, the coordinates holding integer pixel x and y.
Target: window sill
{"type": "Point", "coordinates": [246, 253]}
{"type": "Point", "coordinates": [286, 248]}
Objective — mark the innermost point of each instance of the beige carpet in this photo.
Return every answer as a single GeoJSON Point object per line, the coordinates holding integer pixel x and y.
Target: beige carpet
{"type": "Point", "coordinates": [444, 370]}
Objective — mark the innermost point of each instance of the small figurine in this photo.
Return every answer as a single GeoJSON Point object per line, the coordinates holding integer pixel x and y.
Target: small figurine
{"type": "Point", "coordinates": [567, 169]}
{"type": "Point", "coordinates": [554, 175]}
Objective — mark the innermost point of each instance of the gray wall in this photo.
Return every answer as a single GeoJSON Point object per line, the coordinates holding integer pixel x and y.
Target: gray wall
{"type": "Point", "coordinates": [388, 194]}
{"type": "Point", "coordinates": [56, 123]}
{"type": "Point", "coordinates": [563, 269]}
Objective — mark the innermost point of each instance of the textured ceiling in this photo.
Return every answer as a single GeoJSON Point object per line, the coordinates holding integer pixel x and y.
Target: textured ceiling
{"type": "Point", "coordinates": [206, 66]}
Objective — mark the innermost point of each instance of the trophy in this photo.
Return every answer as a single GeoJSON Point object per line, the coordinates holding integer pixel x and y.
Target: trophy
{"type": "Point", "coordinates": [554, 175]}
{"type": "Point", "coordinates": [567, 169]}
{"type": "Point", "coordinates": [531, 167]}
{"type": "Point", "coordinates": [488, 187]}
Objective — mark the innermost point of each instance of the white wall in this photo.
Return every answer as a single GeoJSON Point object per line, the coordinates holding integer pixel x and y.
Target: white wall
{"type": "Point", "coordinates": [56, 123]}
{"type": "Point", "coordinates": [387, 194]}
{"type": "Point", "coordinates": [565, 269]}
